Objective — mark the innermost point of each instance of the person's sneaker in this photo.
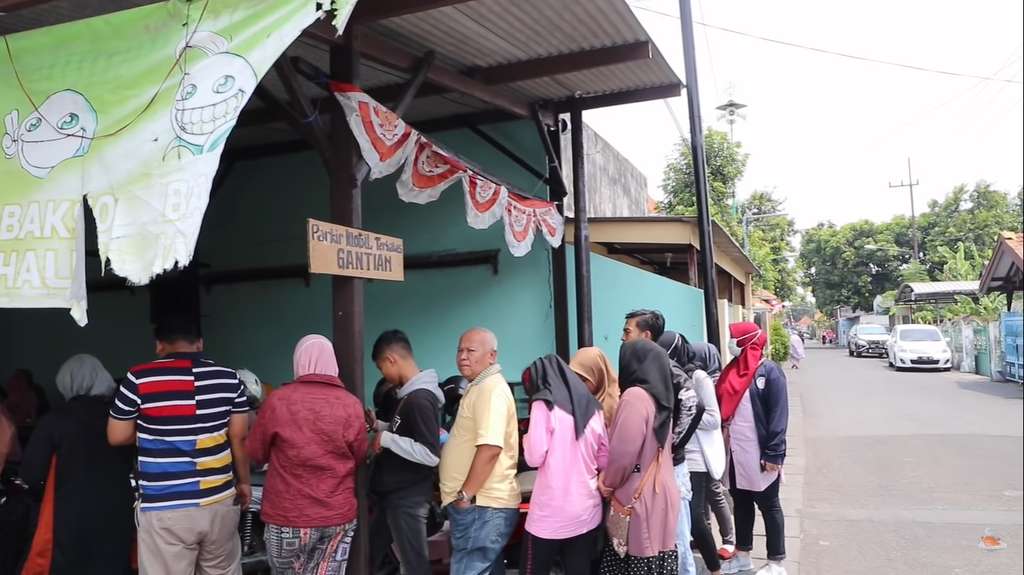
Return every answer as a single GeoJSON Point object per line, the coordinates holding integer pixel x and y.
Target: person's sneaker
{"type": "Point", "coordinates": [771, 569]}
{"type": "Point", "coordinates": [738, 564]}
{"type": "Point", "coordinates": [726, 552]}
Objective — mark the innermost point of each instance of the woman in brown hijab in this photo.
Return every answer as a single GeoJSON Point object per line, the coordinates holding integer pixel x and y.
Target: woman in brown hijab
{"type": "Point", "coordinates": [592, 365]}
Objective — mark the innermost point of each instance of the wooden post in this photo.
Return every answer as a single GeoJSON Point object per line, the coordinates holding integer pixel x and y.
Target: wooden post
{"type": "Point", "coordinates": [347, 293]}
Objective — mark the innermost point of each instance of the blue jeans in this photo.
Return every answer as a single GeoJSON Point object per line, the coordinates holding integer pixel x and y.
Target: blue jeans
{"type": "Point", "coordinates": [479, 535]}
{"type": "Point", "coordinates": [686, 564]}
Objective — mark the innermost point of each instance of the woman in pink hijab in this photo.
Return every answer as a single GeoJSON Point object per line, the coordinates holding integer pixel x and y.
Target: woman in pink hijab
{"type": "Point", "coordinates": [313, 435]}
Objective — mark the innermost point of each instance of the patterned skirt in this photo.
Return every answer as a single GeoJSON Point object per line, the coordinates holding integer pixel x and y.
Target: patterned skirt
{"type": "Point", "coordinates": [309, 551]}
{"type": "Point", "coordinates": [664, 563]}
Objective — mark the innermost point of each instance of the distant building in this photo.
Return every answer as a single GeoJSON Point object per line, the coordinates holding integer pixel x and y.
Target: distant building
{"type": "Point", "coordinates": [615, 187]}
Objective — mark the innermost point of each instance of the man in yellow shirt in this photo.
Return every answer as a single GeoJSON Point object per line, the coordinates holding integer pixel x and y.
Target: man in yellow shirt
{"type": "Point", "coordinates": [478, 463]}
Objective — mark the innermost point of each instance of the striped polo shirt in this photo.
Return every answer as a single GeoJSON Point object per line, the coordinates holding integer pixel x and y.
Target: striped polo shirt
{"type": "Point", "coordinates": [182, 404]}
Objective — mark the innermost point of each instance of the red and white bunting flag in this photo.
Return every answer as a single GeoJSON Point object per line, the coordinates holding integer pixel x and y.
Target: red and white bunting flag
{"type": "Point", "coordinates": [384, 138]}
{"type": "Point", "coordinates": [551, 224]}
{"type": "Point", "coordinates": [428, 172]}
{"type": "Point", "coordinates": [485, 200]}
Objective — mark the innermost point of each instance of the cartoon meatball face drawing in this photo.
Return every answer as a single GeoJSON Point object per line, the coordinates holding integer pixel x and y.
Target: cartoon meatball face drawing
{"type": "Point", "coordinates": [60, 129]}
{"type": "Point", "coordinates": [211, 95]}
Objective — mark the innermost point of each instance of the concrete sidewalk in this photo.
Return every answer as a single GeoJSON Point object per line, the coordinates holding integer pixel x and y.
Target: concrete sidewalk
{"type": "Point", "coordinates": [792, 490]}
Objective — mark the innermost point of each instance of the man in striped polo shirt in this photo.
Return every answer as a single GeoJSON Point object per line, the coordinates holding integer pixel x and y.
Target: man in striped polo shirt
{"type": "Point", "coordinates": [188, 417]}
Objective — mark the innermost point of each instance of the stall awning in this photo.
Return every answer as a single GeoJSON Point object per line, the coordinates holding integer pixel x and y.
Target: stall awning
{"type": "Point", "coordinates": [935, 292]}
{"type": "Point", "coordinates": [1003, 273]}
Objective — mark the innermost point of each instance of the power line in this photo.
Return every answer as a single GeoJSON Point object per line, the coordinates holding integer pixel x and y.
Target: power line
{"type": "Point", "coordinates": [833, 52]}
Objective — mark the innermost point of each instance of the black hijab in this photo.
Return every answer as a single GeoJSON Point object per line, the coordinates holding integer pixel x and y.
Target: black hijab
{"type": "Point", "coordinates": [550, 380]}
{"type": "Point", "coordinates": [691, 356]}
{"type": "Point", "coordinates": [644, 364]}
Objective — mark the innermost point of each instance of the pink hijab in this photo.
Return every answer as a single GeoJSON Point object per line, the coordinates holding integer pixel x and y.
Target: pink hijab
{"type": "Point", "coordinates": [314, 355]}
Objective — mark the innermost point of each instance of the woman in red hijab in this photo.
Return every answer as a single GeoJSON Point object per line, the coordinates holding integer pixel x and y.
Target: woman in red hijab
{"type": "Point", "coordinates": [755, 414]}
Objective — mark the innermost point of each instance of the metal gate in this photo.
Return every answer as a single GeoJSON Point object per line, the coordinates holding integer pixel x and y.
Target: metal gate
{"type": "Point", "coordinates": [982, 351]}
{"type": "Point", "coordinates": [1011, 326]}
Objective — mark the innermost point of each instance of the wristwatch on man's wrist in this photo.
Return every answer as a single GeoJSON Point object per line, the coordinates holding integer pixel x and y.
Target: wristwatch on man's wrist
{"type": "Point", "coordinates": [465, 497]}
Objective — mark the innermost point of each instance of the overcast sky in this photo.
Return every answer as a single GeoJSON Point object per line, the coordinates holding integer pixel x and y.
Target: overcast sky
{"type": "Point", "coordinates": [829, 133]}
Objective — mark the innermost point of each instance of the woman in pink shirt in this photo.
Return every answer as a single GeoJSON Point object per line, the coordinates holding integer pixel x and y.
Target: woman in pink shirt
{"type": "Point", "coordinates": [568, 444]}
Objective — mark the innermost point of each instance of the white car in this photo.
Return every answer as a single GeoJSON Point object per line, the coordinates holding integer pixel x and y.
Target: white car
{"type": "Point", "coordinates": [919, 347]}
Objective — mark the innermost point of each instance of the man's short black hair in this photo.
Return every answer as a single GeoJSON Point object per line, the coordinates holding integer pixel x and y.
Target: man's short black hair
{"type": "Point", "coordinates": [173, 329]}
{"type": "Point", "coordinates": [648, 320]}
{"type": "Point", "coordinates": [389, 340]}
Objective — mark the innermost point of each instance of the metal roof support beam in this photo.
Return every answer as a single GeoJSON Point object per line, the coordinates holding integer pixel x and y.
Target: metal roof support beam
{"type": "Point", "coordinates": [309, 118]}
{"type": "Point", "coordinates": [563, 64]}
{"type": "Point", "coordinates": [374, 10]}
{"type": "Point", "coordinates": [379, 49]}
{"type": "Point", "coordinates": [295, 121]}
{"type": "Point", "coordinates": [508, 153]}
{"type": "Point", "coordinates": [411, 88]}
{"type": "Point", "coordinates": [554, 159]}
{"type": "Point", "coordinates": [539, 68]}
{"type": "Point", "coordinates": [619, 98]}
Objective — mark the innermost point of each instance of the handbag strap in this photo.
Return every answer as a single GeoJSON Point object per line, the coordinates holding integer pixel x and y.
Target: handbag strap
{"type": "Point", "coordinates": [656, 464]}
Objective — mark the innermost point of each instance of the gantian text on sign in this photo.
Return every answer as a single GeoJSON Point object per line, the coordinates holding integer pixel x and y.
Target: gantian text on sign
{"type": "Point", "coordinates": [342, 251]}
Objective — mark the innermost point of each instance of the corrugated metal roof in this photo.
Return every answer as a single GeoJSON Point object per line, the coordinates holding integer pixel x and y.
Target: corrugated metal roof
{"type": "Point", "coordinates": [471, 35]}
{"type": "Point", "coordinates": [486, 33]}
{"type": "Point", "coordinates": [926, 288]}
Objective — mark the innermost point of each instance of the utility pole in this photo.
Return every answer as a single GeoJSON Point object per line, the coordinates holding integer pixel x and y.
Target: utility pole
{"type": "Point", "coordinates": [700, 184]}
{"type": "Point", "coordinates": [911, 182]}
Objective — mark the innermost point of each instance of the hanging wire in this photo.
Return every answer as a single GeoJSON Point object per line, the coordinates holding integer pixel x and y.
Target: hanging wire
{"type": "Point", "coordinates": [178, 60]}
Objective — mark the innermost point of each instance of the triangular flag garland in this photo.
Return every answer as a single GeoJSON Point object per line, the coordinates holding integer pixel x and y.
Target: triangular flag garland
{"type": "Point", "coordinates": [387, 142]}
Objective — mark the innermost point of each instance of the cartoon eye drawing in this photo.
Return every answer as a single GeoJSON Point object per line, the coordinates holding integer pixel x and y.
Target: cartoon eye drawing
{"type": "Point", "coordinates": [68, 122]}
{"type": "Point", "coordinates": [224, 83]}
{"type": "Point", "coordinates": [60, 128]}
{"type": "Point", "coordinates": [189, 91]}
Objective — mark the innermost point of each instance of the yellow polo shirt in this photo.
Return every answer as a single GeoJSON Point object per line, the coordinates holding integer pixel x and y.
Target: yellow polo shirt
{"type": "Point", "coordinates": [487, 416]}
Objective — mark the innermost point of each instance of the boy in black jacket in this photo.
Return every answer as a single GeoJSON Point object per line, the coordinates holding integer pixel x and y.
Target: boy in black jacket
{"type": "Point", "coordinates": [408, 449]}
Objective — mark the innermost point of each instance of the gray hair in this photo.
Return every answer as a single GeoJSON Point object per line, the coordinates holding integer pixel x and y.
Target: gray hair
{"type": "Point", "coordinates": [492, 340]}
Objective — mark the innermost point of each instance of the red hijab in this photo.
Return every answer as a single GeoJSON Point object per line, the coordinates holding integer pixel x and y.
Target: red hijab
{"type": "Point", "coordinates": [738, 375]}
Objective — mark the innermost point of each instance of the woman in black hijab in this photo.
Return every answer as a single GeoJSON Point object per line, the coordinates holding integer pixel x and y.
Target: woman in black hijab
{"type": "Point", "coordinates": [639, 471]}
{"type": "Point", "coordinates": [568, 444]}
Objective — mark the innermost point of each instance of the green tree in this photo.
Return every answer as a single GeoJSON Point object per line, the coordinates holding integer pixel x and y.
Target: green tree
{"type": "Point", "coordinates": [972, 216]}
{"type": "Point", "coordinates": [779, 351]}
{"type": "Point", "coordinates": [851, 264]}
{"type": "Point", "coordinates": [770, 243]}
{"type": "Point", "coordinates": [962, 264]}
{"type": "Point", "coordinates": [914, 272]}
{"type": "Point", "coordinates": [726, 163]}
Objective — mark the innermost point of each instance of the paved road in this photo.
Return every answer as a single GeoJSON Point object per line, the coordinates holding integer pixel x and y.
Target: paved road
{"type": "Point", "coordinates": [905, 471]}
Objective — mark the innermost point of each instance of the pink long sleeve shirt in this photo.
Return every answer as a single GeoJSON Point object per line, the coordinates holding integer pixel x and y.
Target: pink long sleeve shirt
{"type": "Point", "coordinates": [565, 500]}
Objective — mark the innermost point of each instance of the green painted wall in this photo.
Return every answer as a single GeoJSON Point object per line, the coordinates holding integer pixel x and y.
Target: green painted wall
{"type": "Point", "coordinates": [619, 288]}
{"type": "Point", "coordinates": [258, 219]}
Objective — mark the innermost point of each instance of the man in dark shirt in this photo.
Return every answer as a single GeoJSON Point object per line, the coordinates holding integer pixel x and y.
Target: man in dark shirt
{"type": "Point", "coordinates": [407, 449]}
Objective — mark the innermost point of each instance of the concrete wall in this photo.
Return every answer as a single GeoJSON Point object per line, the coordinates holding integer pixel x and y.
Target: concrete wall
{"type": "Point", "coordinates": [619, 288]}
{"type": "Point", "coordinates": [615, 186]}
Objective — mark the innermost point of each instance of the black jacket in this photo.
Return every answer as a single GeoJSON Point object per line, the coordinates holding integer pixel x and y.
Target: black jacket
{"type": "Point", "coordinates": [93, 522]}
{"type": "Point", "coordinates": [418, 417]}
{"type": "Point", "coordinates": [769, 399]}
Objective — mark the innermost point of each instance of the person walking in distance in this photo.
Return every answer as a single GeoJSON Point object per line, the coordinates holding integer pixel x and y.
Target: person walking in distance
{"type": "Point", "coordinates": [478, 463]}
{"type": "Point", "coordinates": [188, 416]}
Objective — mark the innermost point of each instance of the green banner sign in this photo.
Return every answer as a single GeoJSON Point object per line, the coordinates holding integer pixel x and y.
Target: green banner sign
{"type": "Point", "coordinates": [131, 112]}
